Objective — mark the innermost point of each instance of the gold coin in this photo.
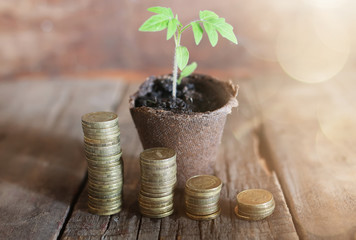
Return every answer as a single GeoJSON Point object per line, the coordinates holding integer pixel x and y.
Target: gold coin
{"type": "Point", "coordinates": [92, 148]}
{"type": "Point", "coordinates": [105, 168]}
{"type": "Point", "coordinates": [97, 118]}
{"type": "Point", "coordinates": [113, 140]}
{"type": "Point", "coordinates": [105, 187]}
{"type": "Point", "coordinates": [166, 214]}
{"type": "Point", "coordinates": [203, 183]}
{"type": "Point", "coordinates": [160, 181]}
{"type": "Point", "coordinates": [104, 137]}
{"type": "Point", "coordinates": [105, 200]}
{"type": "Point", "coordinates": [251, 218]}
{"type": "Point", "coordinates": [156, 205]}
{"type": "Point", "coordinates": [155, 210]}
{"type": "Point", "coordinates": [254, 198]}
{"type": "Point", "coordinates": [105, 212]}
{"type": "Point", "coordinates": [167, 198]}
{"type": "Point", "coordinates": [158, 167]}
{"type": "Point", "coordinates": [202, 195]}
{"type": "Point", "coordinates": [154, 194]}
{"type": "Point", "coordinates": [201, 201]}
{"type": "Point", "coordinates": [155, 155]}
{"type": "Point", "coordinates": [158, 191]}
{"type": "Point", "coordinates": [100, 125]}
{"type": "Point", "coordinates": [89, 130]}
{"type": "Point", "coordinates": [202, 210]}
{"type": "Point", "coordinates": [203, 217]}
{"type": "Point", "coordinates": [106, 205]}
{"type": "Point", "coordinates": [102, 152]}
{"type": "Point", "coordinates": [152, 175]}
{"type": "Point", "coordinates": [109, 170]}
{"type": "Point", "coordinates": [106, 194]}
{"type": "Point", "coordinates": [104, 161]}
{"type": "Point", "coordinates": [104, 190]}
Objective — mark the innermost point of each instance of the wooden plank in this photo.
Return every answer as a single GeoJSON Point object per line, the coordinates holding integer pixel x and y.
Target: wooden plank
{"type": "Point", "coordinates": [310, 132]}
{"type": "Point", "coordinates": [41, 159]}
{"type": "Point", "coordinates": [240, 166]}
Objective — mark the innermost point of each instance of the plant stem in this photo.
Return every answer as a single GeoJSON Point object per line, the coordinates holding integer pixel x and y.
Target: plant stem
{"type": "Point", "coordinates": [177, 37]}
{"type": "Point", "coordinates": [175, 64]}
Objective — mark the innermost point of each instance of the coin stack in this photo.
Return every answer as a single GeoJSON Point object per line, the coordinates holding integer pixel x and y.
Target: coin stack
{"type": "Point", "coordinates": [202, 195]}
{"type": "Point", "coordinates": [105, 165]}
{"type": "Point", "coordinates": [254, 204]}
{"type": "Point", "coordinates": [158, 180]}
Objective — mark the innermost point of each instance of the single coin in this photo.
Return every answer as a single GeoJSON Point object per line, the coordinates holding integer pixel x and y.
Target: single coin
{"type": "Point", "coordinates": [158, 167]}
{"type": "Point", "coordinates": [155, 195]}
{"type": "Point", "coordinates": [99, 118]}
{"type": "Point", "coordinates": [249, 217]}
{"type": "Point", "coordinates": [88, 130]}
{"type": "Point", "coordinates": [153, 155]}
{"type": "Point", "coordinates": [202, 195]}
{"type": "Point", "coordinates": [146, 199]}
{"type": "Point", "coordinates": [105, 137]}
{"type": "Point", "coordinates": [91, 141]}
{"type": "Point", "coordinates": [202, 210]}
{"type": "Point", "coordinates": [103, 212]}
{"type": "Point", "coordinates": [109, 160]}
{"type": "Point", "coordinates": [153, 192]}
{"type": "Point", "coordinates": [105, 200]}
{"type": "Point", "coordinates": [201, 201]}
{"type": "Point", "coordinates": [203, 183]}
{"type": "Point", "coordinates": [156, 205]}
{"type": "Point", "coordinates": [159, 215]}
{"type": "Point", "coordinates": [106, 205]}
{"type": "Point", "coordinates": [256, 198]}
{"type": "Point", "coordinates": [203, 217]}
{"type": "Point", "coordinates": [105, 168]}
{"type": "Point", "coordinates": [157, 209]}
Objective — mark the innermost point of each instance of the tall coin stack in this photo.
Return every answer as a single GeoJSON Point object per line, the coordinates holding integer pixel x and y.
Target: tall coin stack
{"type": "Point", "coordinates": [158, 180]}
{"type": "Point", "coordinates": [202, 195]}
{"type": "Point", "coordinates": [254, 204]}
{"type": "Point", "coordinates": [105, 165]}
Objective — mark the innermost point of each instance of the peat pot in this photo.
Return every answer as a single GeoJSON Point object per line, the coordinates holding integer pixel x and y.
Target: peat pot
{"type": "Point", "coordinates": [194, 136]}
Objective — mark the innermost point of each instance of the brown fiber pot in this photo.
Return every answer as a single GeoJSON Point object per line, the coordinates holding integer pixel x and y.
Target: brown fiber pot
{"type": "Point", "coordinates": [196, 136]}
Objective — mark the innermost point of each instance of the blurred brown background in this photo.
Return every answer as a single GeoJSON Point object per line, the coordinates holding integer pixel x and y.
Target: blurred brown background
{"type": "Point", "coordinates": [311, 40]}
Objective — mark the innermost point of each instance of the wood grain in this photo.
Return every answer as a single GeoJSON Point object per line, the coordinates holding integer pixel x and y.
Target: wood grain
{"type": "Point", "coordinates": [240, 166]}
{"type": "Point", "coordinates": [310, 132]}
{"type": "Point", "coordinates": [41, 159]}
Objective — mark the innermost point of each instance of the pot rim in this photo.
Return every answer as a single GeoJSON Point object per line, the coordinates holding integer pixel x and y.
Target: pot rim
{"type": "Point", "coordinates": [229, 86]}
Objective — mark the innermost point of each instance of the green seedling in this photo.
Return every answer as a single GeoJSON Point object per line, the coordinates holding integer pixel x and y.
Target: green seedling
{"type": "Point", "coordinates": [165, 19]}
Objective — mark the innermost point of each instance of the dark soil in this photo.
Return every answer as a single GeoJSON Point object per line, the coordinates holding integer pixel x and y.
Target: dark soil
{"type": "Point", "coordinates": [158, 94]}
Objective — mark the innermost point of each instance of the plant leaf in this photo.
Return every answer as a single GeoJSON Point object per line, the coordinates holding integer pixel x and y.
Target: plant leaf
{"type": "Point", "coordinates": [187, 71]}
{"type": "Point", "coordinates": [182, 57]}
{"type": "Point", "coordinates": [155, 23]}
{"type": "Point", "coordinates": [206, 15]}
{"type": "Point", "coordinates": [162, 10]}
{"type": "Point", "coordinates": [172, 28]}
{"type": "Point", "coordinates": [225, 29]}
{"type": "Point", "coordinates": [198, 32]}
{"type": "Point", "coordinates": [211, 32]}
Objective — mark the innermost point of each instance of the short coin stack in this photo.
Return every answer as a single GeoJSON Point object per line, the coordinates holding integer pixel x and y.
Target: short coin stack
{"type": "Point", "coordinates": [254, 204]}
{"type": "Point", "coordinates": [158, 180]}
{"type": "Point", "coordinates": [105, 165]}
{"type": "Point", "coordinates": [202, 195]}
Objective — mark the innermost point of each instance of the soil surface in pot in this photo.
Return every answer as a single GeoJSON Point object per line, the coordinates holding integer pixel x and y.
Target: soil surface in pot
{"type": "Point", "coordinates": [158, 94]}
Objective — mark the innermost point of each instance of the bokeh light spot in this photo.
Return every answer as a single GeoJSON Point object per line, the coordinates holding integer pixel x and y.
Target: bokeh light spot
{"type": "Point", "coordinates": [313, 49]}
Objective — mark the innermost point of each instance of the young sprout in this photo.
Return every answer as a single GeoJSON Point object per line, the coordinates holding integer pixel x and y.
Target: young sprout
{"type": "Point", "coordinates": [165, 19]}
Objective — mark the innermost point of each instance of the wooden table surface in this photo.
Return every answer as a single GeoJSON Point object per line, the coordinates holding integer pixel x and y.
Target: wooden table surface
{"type": "Point", "coordinates": [293, 139]}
